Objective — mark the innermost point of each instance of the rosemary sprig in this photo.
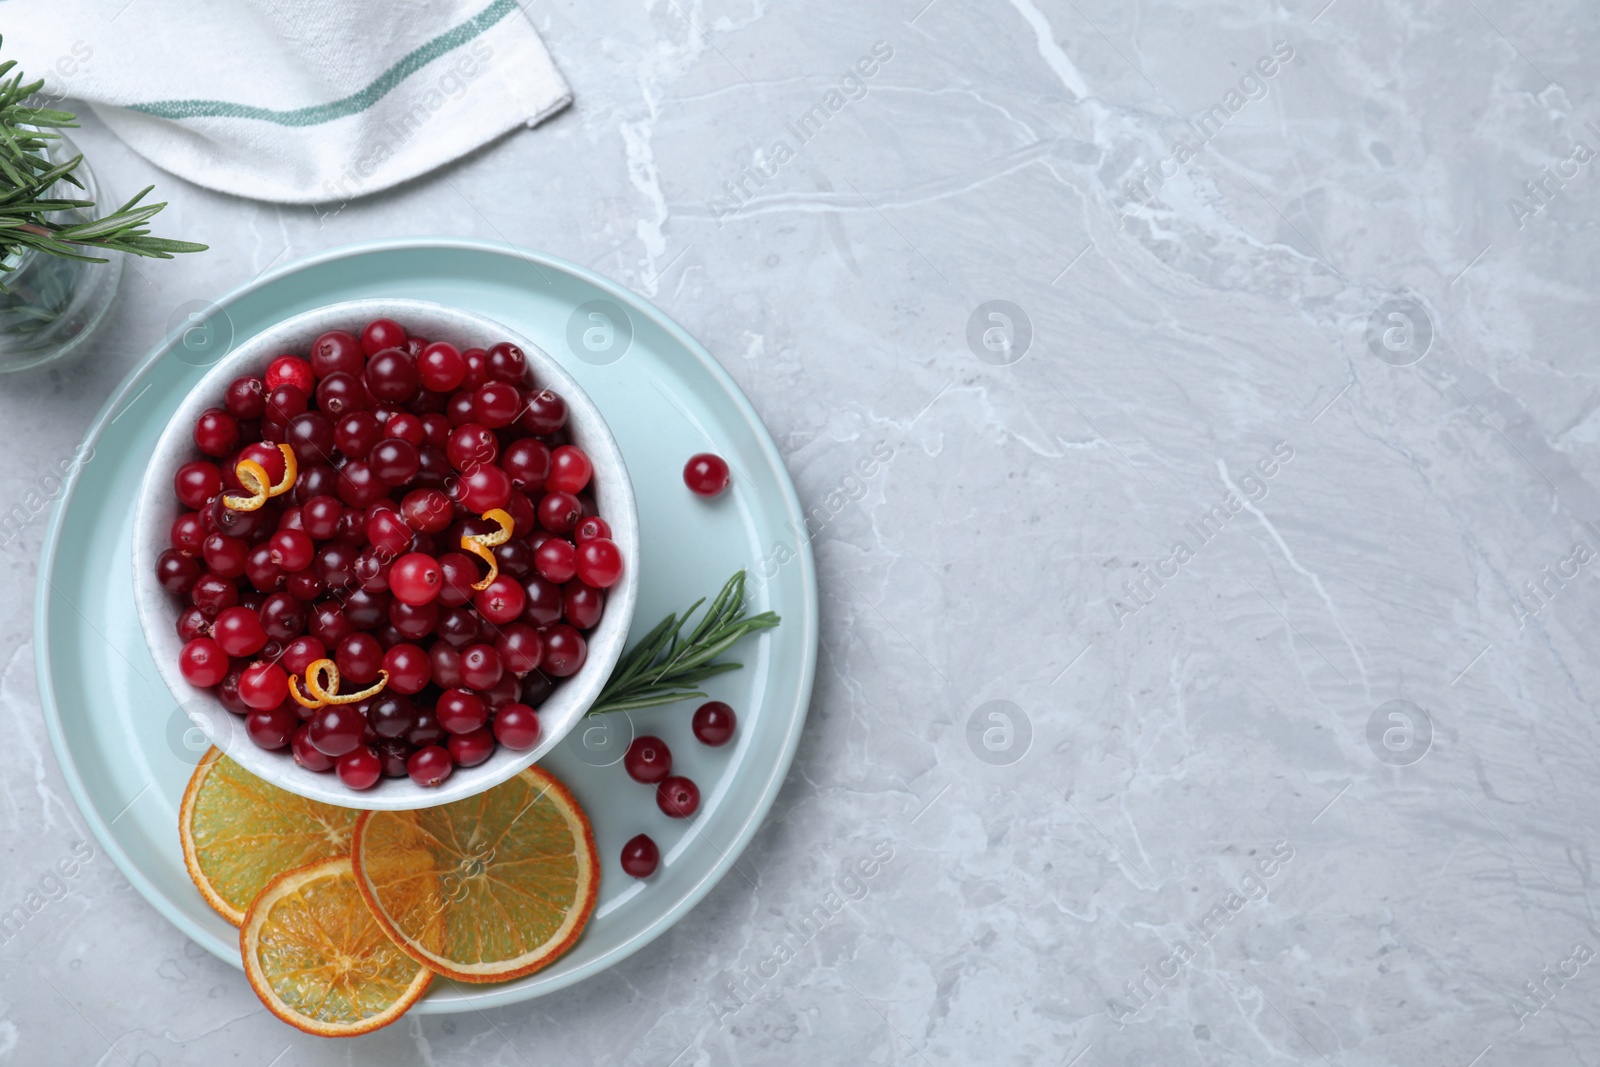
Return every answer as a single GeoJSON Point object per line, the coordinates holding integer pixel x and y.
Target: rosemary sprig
{"type": "Point", "coordinates": [665, 667]}
{"type": "Point", "coordinates": [27, 176]}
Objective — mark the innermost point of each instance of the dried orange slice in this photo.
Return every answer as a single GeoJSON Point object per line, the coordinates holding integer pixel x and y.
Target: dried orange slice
{"type": "Point", "coordinates": [317, 959]}
{"type": "Point", "coordinates": [240, 832]}
{"type": "Point", "coordinates": [512, 872]}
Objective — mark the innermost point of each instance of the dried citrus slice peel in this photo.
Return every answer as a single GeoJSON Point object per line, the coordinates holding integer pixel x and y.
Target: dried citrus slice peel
{"type": "Point", "coordinates": [512, 872]}
{"type": "Point", "coordinates": [327, 692]}
{"type": "Point", "coordinates": [253, 476]}
{"type": "Point", "coordinates": [480, 545]}
{"type": "Point", "coordinates": [318, 960]}
{"type": "Point", "coordinates": [239, 833]}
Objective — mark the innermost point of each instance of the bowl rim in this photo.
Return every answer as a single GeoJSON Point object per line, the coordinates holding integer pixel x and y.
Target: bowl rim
{"type": "Point", "coordinates": [560, 713]}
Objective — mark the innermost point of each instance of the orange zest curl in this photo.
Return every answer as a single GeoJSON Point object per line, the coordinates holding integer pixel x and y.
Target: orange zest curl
{"type": "Point", "coordinates": [322, 679]}
{"type": "Point", "coordinates": [480, 545]}
{"type": "Point", "coordinates": [253, 476]}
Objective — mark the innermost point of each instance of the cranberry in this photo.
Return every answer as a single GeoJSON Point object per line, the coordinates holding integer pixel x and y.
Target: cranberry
{"type": "Point", "coordinates": [516, 726]}
{"type": "Point", "coordinates": [271, 728]}
{"type": "Point", "coordinates": [599, 563]}
{"type": "Point", "coordinates": [427, 510]}
{"type": "Point", "coordinates": [543, 413]}
{"type": "Point", "coordinates": [483, 488]}
{"type": "Point", "coordinates": [648, 759]}
{"type": "Point", "coordinates": [477, 361]}
{"type": "Point", "coordinates": [640, 856]}
{"type": "Point", "coordinates": [459, 572]}
{"type": "Point", "coordinates": [413, 621]}
{"type": "Point", "coordinates": [305, 753]}
{"type": "Point", "coordinates": [582, 605]}
{"type": "Point", "coordinates": [410, 669]}
{"type": "Point", "coordinates": [429, 766]}
{"type": "Point", "coordinates": [290, 370]}
{"type": "Point", "coordinates": [283, 617]}
{"type": "Point", "coordinates": [445, 663]}
{"type": "Point", "coordinates": [193, 623]}
{"type": "Point", "coordinates": [556, 560]}
{"type": "Point", "coordinates": [501, 601]}
{"type": "Point", "coordinates": [544, 601]}
{"type": "Point", "coordinates": [216, 433]}
{"type": "Point", "coordinates": [292, 550]}
{"type": "Point", "coordinates": [337, 729]}
{"type": "Point", "coordinates": [404, 426]}
{"type": "Point", "coordinates": [495, 404]}
{"type": "Point", "coordinates": [416, 578]}
{"type": "Point", "coordinates": [381, 334]}
{"type": "Point", "coordinates": [714, 723]}
{"type": "Point", "coordinates": [202, 662]}
{"type": "Point", "coordinates": [196, 483]}
{"type": "Point", "coordinates": [392, 375]}
{"type": "Point", "coordinates": [440, 367]}
{"type": "Point", "coordinates": [320, 516]}
{"type": "Point", "coordinates": [328, 623]}
{"type": "Point", "coordinates": [360, 768]}
{"type": "Point", "coordinates": [458, 627]}
{"type": "Point", "coordinates": [312, 436]}
{"type": "Point", "coordinates": [460, 711]}
{"type": "Point", "coordinates": [480, 666]}
{"type": "Point", "coordinates": [263, 686]}
{"type": "Point", "coordinates": [394, 461]}
{"type": "Point", "coordinates": [520, 648]}
{"type": "Point", "coordinates": [559, 513]}
{"type": "Point", "coordinates": [458, 409]}
{"type": "Point", "coordinates": [705, 474]}
{"type": "Point", "coordinates": [391, 714]}
{"type": "Point", "coordinates": [211, 593]}
{"type": "Point", "coordinates": [394, 752]}
{"type": "Point", "coordinates": [470, 445]}
{"type": "Point", "coordinates": [570, 470]}
{"type": "Point", "coordinates": [301, 653]}
{"type": "Point", "coordinates": [238, 630]}
{"type": "Point", "coordinates": [564, 651]}
{"type": "Point", "coordinates": [285, 402]}
{"type": "Point", "coordinates": [505, 362]}
{"type": "Point", "coordinates": [388, 533]}
{"type": "Point", "coordinates": [263, 573]}
{"type": "Point", "coordinates": [334, 351]}
{"type": "Point", "coordinates": [360, 658]}
{"type": "Point", "coordinates": [470, 749]}
{"type": "Point", "coordinates": [188, 533]}
{"type": "Point", "coordinates": [591, 528]}
{"type": "Point", "coordinates": [678, 797]}
{"type": "Point", "coordinates": [246, 398]}
{"type": "Point", "coordinates": [335, 565]}
{"type": "Point", "coordinates": [355, 433]}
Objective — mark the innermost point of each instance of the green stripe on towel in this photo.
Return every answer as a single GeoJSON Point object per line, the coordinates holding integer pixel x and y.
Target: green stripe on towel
{"type": "Point", "coordinates": [350, 105]}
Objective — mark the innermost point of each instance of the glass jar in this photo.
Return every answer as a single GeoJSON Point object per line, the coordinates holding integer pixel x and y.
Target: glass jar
{"type": "Point", "coordinates": [54, 305]}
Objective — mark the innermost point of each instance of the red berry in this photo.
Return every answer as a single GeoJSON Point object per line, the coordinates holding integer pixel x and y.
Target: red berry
{"type": "Point", "coordinates": [495, 404]}
{"type": "Point", "coordinates": [301, 653]}
{"type": "Point", "coordinates": [640, 856]}
{"type": "Point", "coordinates": [481, 667]}
{"type": "Point", "coordinates": [460, 572]}
{"type": "Point", "coordinates": [196, 483]}
{"type": "Point", "coordinates": [176, 572]}
{"type": "Point", "coordinates": [410, 669]}
{"type": "Point", "coordinates": [543, 413]}
{"type": "Point", "coordinates": [216, 433]}
{"type": "Point", "coordinates": [337, 729]}
{"type": "Point", "coordinates": [336, 351]}
{"type": "Point", "coordinates": [404, 426]}
{"type": "Point", "coordinates": [678, 797]}
{"type": "Point", "coordinates": [381, 334]}
{"type": "Point", "coordinates": [483, 488]}
{"type": "Point", "coordinates": [564, 651]}
{"type": "Point", "coordinates": [648, 759]}
{"type": "Point", "coordinates": [360, 768]}
{"type": "Point", "coordinates": [263, 686]}
{"type": "Point", "coordinates": [471, 444]}
{"type": "Point", "coordinates": [238, 630]}
{"type": "Point", "coordinates": [556, 560]}
{"type": "Point", "coordinates": [429, 766]}
{"type": "Point", "coordinates": [305, 753]}
{"type": "Point", "coordinates": [559, 513]}
{"type": "Point", "coordinates": [520, 647]}
{"type": "Point", "coordinates": [505, 362]}
{"type": "Point", "coordinates": [290, 370]}
{"type": "Point", "coordinates": [427, 510]}
{"type": "Point", "coordinates": [359, 658]}
{"type": "Point", "coordinates": [292, 550]}
{"type": "Point", "coordinates": [388, 533]}
{"type": "Point", "coordinates": [441, 367]}
{"type": "Point", "coordinates": [415, 578]}
{"type": "Point", "coordinates": [501, 601]}
{"type": "Point", "coordinates": [591, 528]}
{"type": "Point", "coordinates": [582, 605]}
{"type": "Point", "coordinates": [202, 662]}
{"type": "Point", "coordinates": [246, 398]}
{"type": "Point", "coordinates": [570, 470]}
{"type": "Point", "coordinates": [706, 474]}
{"type": "Point", "coordinates": [470, 749]}
{"type": "Point", "coordinates": [714, 723]}
{"type": "Point", "coordinates": [516, 726]}
{"type": "Point", "coordinates": [271, 728]}
{"type": "Point", "coordinates": [599, 563]}
{"type": "Point", "coordinates": [391, 714]}
{"type": "Point", "coordinates": [460, 711]}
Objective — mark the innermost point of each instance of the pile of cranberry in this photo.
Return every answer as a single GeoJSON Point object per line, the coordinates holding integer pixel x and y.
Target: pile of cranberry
{"type": "Point", "coordinates": [400, 448]}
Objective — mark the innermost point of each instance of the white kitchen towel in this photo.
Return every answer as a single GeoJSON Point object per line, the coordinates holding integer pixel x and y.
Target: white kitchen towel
{"type": "Point", "coordinates": [301, 101]}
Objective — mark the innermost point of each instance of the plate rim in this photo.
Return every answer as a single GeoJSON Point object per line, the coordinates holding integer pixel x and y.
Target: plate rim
{"type": "Point", "coordinates": [464, 1000]}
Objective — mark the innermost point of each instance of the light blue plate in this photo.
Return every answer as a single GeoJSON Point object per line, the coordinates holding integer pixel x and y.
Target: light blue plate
{"type": "Point", "coordinates": [127, 750]}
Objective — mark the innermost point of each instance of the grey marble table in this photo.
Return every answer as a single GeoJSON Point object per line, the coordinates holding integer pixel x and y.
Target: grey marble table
{"type": "Point", "coordinates": [1211, 657]}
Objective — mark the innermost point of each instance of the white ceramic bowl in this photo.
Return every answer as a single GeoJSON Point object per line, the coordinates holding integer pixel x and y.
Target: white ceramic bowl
{"type": "Point", "coordinates": [158, 507]}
